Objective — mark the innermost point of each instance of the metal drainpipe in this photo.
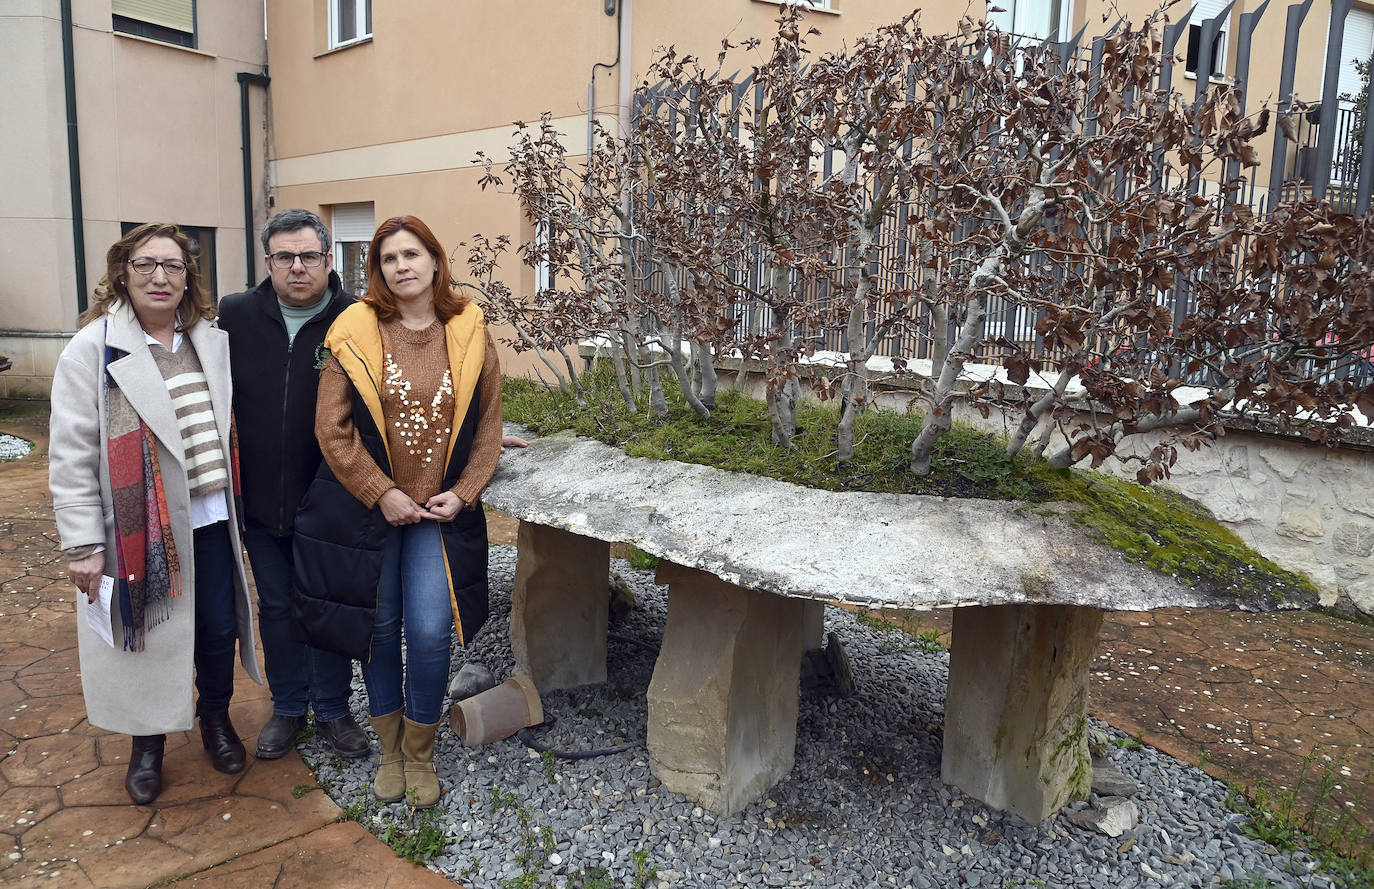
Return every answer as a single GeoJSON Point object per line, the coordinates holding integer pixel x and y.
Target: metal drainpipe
{"type": "Point", "coordinates": [619, 10]}
{"type": "Point", "coordinates": [246, 78]}
{"type": "Point", "coordinates": [74, 155]}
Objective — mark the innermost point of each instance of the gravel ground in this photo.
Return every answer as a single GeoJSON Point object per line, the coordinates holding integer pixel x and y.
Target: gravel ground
{"type": "Point", "coordinates": [13, 447]}
{"type": "Point", "coordinates": [863, 806]}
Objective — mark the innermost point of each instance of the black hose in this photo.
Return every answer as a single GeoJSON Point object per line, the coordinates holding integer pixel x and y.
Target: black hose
{"type": "Point", "coordinates": [527, 736]}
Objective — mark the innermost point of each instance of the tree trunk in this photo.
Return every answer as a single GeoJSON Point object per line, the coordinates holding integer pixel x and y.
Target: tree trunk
{"type": "Point", "coordinates": [856, 377]}
{"type": "Point", "coordinates": [706, 373]}
{"type": "Point", "coordinates": [940, 418]}
{"type": "Point", "coordinates": [1036, 412]}
{"type": "Point", "coordinates": [782, 386]}
{"type": "Point", "coordinates": [684, 380]}
{"type": "Point", "coordinates": [657, 405]}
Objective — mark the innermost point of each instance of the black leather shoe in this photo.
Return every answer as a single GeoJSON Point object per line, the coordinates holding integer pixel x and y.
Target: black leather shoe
{"type": "Point", "coordinates": [344, 735]}
{"type": "Point", "coordinates": [144, 778]}
{"type": "Point", "coordinates": [278, 737]}
{"type": "Point", "coordinates": [226, 750]}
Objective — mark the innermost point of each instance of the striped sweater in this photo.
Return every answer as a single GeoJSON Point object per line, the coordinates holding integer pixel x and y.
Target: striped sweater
{"type": "Point", "coordinates": [206, 469]}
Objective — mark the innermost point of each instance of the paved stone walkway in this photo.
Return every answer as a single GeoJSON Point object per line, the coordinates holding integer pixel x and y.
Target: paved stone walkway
{"type": "Point", "coordinates": [1254, 693]}
{"type": "Point", "coordinates": [65, 819]}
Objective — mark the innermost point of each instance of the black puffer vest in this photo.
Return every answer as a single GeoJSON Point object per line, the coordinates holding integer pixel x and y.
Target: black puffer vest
{"type": "Point", "coordinates": [339, 544]}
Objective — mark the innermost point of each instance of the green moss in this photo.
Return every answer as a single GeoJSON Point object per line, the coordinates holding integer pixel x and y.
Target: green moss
{"type": "Point", "coordinates": [738, 437]}
{"type": "Point", "coordinates": [1173, 535]}
{"type": "Point", "coordinates": [1151, 525]}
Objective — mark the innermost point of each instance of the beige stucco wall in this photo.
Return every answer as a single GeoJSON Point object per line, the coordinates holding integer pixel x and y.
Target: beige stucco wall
{"type": "Point", "coordinates": [159, 140]}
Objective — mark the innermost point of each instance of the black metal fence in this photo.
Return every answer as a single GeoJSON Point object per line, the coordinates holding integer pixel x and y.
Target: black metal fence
{"type": "Point", "coordinates": [1331, 159]}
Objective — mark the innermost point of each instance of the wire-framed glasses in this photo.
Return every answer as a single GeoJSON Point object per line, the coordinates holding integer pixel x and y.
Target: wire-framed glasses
{"type": "Point", "coordinates": [282, 259]}
{"type": "Point", "coordinates": [145, 265]}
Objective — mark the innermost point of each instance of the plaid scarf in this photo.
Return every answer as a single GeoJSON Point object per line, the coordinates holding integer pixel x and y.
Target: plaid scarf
{"type": "Point", "coordinates": [149, 569]}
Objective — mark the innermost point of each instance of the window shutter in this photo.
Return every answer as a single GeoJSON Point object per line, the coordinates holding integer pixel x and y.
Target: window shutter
{"type": "Point", "coordinates": [1355, 47]}
{"type": "Point", "coordinates": [353, 222]}
{"type": "Point", "coordinates": [179, 15]}
{"type": "Point", "coordinates": [1209, 9]}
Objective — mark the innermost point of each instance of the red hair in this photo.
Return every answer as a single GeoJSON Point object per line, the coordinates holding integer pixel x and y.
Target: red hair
{"type": "Point", "coordinates": [447, 301]}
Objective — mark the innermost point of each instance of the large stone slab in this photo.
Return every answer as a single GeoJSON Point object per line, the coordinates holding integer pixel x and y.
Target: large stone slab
{"type": "Point", "coordinates": [914, 551]}
{"type": "Point", "coordinates": [724, 697]}
{"type": "Point", "coordinates": [1016, 712]}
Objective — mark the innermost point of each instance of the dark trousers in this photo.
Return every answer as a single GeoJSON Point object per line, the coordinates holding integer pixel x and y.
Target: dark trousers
{"type": "Point", "coordinates": [298, 675]}
{"type": "Point", "coordinates": [216, 626]}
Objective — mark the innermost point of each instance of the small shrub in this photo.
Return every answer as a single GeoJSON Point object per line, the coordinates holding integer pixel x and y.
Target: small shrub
{"type": "Point", "coordinates": [420, 837]}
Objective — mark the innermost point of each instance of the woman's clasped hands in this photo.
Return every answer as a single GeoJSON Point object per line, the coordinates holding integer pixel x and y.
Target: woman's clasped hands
{"type": "Point", "coordinates": [398, 509]}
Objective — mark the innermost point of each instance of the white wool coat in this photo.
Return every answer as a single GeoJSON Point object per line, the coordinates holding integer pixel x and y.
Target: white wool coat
{"type": "Point", "coordinates": [149, 692]}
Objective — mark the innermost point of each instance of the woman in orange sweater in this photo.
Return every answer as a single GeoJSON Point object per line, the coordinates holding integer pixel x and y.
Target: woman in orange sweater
{"type": "Point", "coordinates": [391, 537]}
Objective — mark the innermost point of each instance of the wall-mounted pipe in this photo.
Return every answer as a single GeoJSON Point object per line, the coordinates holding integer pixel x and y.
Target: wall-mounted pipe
{"type": "Point", "coordinates": [246, 78]}
{"type": "Point", "coordinates": [73, 155]}
{"type": "Point", "coordinates": [616, 9]}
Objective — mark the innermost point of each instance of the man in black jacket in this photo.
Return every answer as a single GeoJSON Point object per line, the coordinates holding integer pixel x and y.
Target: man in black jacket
{"type": "Point", "coordinates": [274, 331]}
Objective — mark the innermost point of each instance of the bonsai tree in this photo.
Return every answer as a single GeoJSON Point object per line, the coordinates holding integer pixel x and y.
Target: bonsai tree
{"type": "Point", "coordinates": [1055, 242]}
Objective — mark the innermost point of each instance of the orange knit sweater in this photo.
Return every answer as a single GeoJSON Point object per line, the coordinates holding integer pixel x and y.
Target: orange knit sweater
{"type": "Point", "coordinates": [418, 424]}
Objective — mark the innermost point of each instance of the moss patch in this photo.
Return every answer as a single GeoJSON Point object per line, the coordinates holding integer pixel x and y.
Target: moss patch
{"type": "Point", "coordinates": [738, 437]}
{"type": "Point", "coordinates": [1153, 526]}
{"type": "Point", "coordinates": [1173, 535]}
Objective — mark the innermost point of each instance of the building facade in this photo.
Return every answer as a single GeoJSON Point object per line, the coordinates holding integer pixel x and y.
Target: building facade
{"type": "Point", "coordinates": [119, 112]}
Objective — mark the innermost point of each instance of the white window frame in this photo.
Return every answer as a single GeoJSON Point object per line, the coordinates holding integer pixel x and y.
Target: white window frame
{"type": "Point", "coordinates": [1357, 45]}
{"type": "Point", "coordinates": [362, 15]}
{"type": "Point", "coordinates": [1202, 11]}
{"type": "Point", "coordinates": [543, 269]}
{"type": "Point", "coordinates": [1016, 16]}
{"type": "Point", "coordinates": [351, 224]}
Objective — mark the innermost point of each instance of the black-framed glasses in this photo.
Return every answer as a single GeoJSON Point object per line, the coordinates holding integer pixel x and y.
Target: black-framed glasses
{"type": "Point", "coordinates": [282, 259]}
{"type": "Point", "coordinates": [146, 265]}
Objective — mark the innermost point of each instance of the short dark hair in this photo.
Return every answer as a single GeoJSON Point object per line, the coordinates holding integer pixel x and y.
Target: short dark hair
{"type": "Point", "coordinates": [295, 220]}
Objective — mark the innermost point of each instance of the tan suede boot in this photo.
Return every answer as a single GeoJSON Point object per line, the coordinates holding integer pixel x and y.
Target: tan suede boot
{"type": "Point", "coordinates": [390, 783]}
{"type": "Point", "coordinates": [422, 783]}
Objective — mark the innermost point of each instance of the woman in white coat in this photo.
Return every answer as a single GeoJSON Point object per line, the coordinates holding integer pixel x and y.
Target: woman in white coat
{"type": "Point", "coordinates": [142, 473]}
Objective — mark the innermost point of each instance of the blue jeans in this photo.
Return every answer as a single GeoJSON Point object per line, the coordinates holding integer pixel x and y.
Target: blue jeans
{"type": "Point", "coordinates": [216, 626]}
{"type": "Point", "coordinates": [298, 675]}
{"type": "Point", "coordinates": [412, 597]}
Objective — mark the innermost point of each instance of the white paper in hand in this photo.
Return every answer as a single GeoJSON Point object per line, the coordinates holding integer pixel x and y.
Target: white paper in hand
{"type": "Point", "coordinates": [98, 612]}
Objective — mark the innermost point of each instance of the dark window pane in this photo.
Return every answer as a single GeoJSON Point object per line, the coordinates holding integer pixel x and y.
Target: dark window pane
{"type": "Point", "coordinates": [126, 25]}
{"type": "Point", "coordinates": [350, 261]}
{"type": "Point", "coordinates": [1194, 50]}
{"type": "Point", "coordinates": [348, 20]}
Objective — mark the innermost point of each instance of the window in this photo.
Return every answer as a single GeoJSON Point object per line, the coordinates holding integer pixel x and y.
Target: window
{"type": "Point", "coordinates": [204, 238]}
{"type": "Point", "coordinates": [1040, 19]}
{"type": "Point", "coordinates": [1357, 46]}
{"type": "Point", "coordinates": [349, 21]}
{"type": "Point", "coordinates": [1203, 11]}
{"type": "Point", "coordinates": [543, 269]}
{"type": "Point", "coordinates": [353, 229]}
{"type": "Point", "coordinates": [170, 21]}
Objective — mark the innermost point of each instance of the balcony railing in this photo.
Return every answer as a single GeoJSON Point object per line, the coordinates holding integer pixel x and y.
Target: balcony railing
{"type": "Point", "coordinates": [1345, 159]}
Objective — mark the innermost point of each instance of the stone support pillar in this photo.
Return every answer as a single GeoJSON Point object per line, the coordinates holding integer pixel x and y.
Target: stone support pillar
{"type": "Point", "coordinates": [813, 625]}
{"type": "Point", "coordinates": [1016, 713]}
{"type": "Point", "coordinates": [558, 607]}
{"type": "Point", "coordinates": [724, 696]}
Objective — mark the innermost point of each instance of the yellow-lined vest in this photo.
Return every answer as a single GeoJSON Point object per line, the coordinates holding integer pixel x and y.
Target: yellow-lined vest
{"type": "Point", "coordinates": [339, 541]}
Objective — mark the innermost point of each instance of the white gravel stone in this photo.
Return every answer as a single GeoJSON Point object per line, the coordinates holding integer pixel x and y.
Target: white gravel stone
{"type": "Point", "coordinates": [834, 824]}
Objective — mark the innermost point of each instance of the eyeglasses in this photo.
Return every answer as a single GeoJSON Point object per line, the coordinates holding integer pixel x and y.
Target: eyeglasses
{"type": "Point", "coordinates": [311, 259]}
{"type": "Point", "coordinates": [145, 265]}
